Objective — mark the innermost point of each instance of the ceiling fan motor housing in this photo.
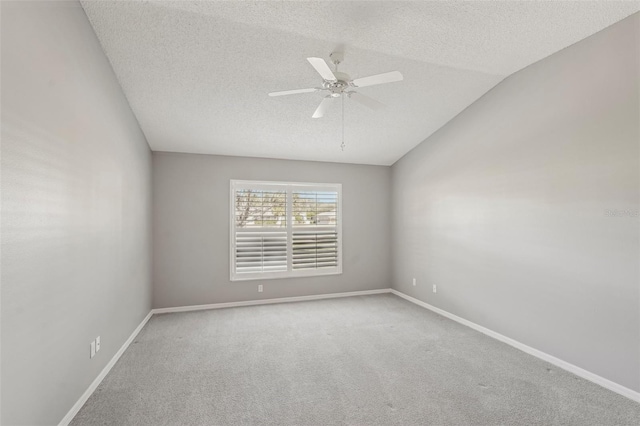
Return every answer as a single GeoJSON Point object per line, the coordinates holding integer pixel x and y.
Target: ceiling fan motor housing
{"type": "Point", "coordinates": [338, 87]}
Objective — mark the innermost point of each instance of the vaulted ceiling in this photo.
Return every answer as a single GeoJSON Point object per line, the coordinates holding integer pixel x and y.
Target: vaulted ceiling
{"type": "Point", "coordinates": [197, 74]}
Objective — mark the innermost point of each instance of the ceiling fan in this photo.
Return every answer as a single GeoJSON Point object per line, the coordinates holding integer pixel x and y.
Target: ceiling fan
{"type": "Point", "coordinates": [339, 84]}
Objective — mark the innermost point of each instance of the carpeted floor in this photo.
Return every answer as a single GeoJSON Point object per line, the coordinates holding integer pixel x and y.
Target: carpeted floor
{"type": "Point", "coordinates": [368, 360]}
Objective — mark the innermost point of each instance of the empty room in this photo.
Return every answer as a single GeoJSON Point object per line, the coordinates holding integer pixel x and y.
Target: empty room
{"type": "Point", "coordinates": [315, 213]}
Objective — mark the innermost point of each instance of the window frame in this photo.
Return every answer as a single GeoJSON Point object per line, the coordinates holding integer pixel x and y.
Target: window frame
{"type": "Point", "coordinates": [289, 187]}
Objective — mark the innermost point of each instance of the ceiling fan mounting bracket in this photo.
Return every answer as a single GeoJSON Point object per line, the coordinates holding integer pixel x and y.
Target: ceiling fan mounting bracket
{"type": "Point", "coordinates": [337, 58]}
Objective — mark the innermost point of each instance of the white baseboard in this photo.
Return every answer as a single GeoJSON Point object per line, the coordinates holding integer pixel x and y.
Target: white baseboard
{"type": "Point", "coordinates": [605, 383]}
{"type": "Point", "coordinates": [268, 301]}
{"type": "Point", "coordinates": [85, 396]}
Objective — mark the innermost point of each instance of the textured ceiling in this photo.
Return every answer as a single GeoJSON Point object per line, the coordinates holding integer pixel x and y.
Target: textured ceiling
{"type": "Point", "coordinates": [197, 74]}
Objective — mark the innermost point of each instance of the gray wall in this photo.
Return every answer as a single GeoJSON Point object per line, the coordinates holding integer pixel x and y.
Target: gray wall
{"type": "Point", "coordinates": [505, 208]}
{"type": "Point", "coordinates": [191, 228]}
{"type": "Point", "coordinates": [76, 189]}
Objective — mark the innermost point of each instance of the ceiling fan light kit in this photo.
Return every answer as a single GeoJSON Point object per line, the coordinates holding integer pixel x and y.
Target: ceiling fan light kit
{"type": "Point", "coordinates": [340, 85]}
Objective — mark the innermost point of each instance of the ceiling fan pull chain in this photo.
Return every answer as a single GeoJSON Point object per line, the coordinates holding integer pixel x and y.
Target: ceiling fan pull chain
{"type": "Point", "coordinates": [342, 145]}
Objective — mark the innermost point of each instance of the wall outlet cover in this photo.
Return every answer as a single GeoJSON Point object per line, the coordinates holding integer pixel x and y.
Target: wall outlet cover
{"type": "Point", "coordinates": [97, 343]}
{"type": "Point", "coordinates": [93, 349]}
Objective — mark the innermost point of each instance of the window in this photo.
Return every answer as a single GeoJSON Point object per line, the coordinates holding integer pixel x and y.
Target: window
{"type": "Point", "coordinates": [281, 229]}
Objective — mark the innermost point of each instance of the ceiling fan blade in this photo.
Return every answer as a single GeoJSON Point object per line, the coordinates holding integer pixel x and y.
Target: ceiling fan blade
{"type": "Point", "coordinates": [293, 92]}
{"type": "Point", "coordinates": [366, 101]}
{"type": "Point", "coordinates": [323, 69]}
{"type": "Point", "coordinates": [388, 77]}
{"type": "Point", "coordinates": [322, 108]}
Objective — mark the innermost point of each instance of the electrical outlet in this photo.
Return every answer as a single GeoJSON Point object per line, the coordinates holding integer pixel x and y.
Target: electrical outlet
{"type": "Point", "coordinates": [259, 288]}
{"type": "Point", "coordinates": [435, 289]}
{"type": "Point", "coordinates": [414, 282]}
{"type": "Point", "coordinates": [98, 344]}
{"type": "Point", "coordinates": [93, 349]}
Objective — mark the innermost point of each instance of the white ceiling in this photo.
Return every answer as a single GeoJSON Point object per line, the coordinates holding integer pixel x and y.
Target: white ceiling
{"type": "Point", "coordinates": [197, 74]}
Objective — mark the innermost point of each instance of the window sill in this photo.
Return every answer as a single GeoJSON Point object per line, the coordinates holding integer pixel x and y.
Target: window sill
{"type": "Point", "coordinates": [284, 275]}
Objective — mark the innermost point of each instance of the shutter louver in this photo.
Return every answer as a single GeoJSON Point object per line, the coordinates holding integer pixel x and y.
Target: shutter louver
{"type": "Point", "coordinates": [261, 251]}
{"type": "Point", "coordinates": [315, 249]}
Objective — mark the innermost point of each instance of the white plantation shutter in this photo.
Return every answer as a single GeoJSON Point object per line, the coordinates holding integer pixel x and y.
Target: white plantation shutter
{"type": "Point", "coordinates": [315, 236]}
{"type": "Point", "coordinates": [283, 229]}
